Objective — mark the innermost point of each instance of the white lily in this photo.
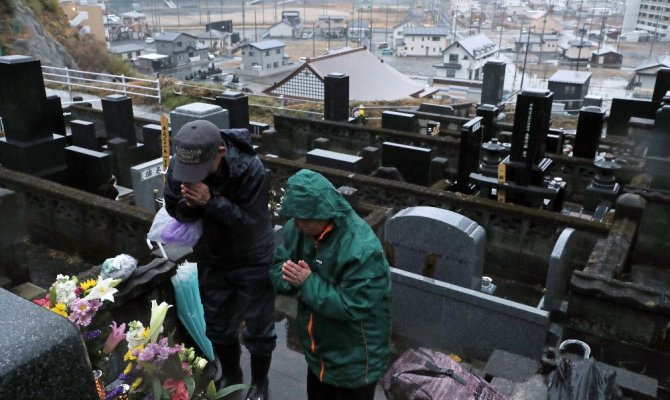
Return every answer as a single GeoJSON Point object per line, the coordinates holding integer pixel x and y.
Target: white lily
{"type": "Point", "coordinates": [103, 290]}
{"type": "Point", "coordinates": [158, 313]}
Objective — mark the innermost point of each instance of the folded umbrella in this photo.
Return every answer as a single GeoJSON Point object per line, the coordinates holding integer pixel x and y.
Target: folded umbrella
{"type": "Point", "coordinates": [189, 306]}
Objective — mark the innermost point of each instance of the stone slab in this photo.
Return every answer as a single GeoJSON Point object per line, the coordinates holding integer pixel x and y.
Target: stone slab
{"type": "Point", "coordinates": [412, 162]}
{"type": "Point", "coordinates": [148, 183]}
{"type": "Point", "coordinates": [510, 366]}
{"type": "Point", "coordinates": [42, 355]}
{"type": "Point", "coordinates": [439, 244]}
{"type": "Point", "coordinates": [195, 111]}
{"type": "Point", "coordinates": [332, 159]}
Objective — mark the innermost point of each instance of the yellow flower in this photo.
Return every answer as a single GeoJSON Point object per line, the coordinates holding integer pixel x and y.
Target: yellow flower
{"type": "Point", "coordinates": [129, 368]}
{"type": "Point", "coordinates": [136, 384]}
{"type": "Point", "coordinates": [87, 285]}
{"type": "Point", "coordinates": [146, 331]}
{"type": "Point", "coordinates": [129, 355]}
{"type": "Point", "coordinates": [60, 309]}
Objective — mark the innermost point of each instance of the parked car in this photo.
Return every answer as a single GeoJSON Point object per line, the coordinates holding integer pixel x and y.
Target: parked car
{"type": "Point", "coordinates": [149, 40]}
{"type": "Point", "coordinates": [387, 52]}
{"type": "Point", "coordinates": [382, 46]}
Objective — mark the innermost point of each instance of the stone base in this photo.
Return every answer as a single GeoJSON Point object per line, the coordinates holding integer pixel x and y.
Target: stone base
{"type": "Point", "coordinates": [41, 158]}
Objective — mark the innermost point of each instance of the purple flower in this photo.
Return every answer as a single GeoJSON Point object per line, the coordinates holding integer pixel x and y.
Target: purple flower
{"type": "Point", "coordinates": [90, 335]}
{"type": "Point", "coordinates": [82, 311]}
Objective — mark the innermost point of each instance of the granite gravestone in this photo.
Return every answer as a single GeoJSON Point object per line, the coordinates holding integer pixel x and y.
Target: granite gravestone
{"type": "Point", "coordinates": [148, 180]}
{"type": "Point", "coordinates": [494, 82]}
{"type": "Point", "coordinates": [237, 105]}
{"type": "Point", "coordinates": [412, 162]}
{"type": "Point", "coordinates": [54, 121]}
{"type": "Point", "coordinates": [12, 229]}
{"type": "Point", "coordinates": [152, 141]}
{"type": "Point", "coordinates": [439, 244]}
{"type": "Point", "coordinates": [468, 153]}
{"type": "Point", "coordinates": [121, 160]}
{"type": "Point", "coordinates": [28, 144]}
{"type": "Point", "coordinates": [336, 97]}
{"type": "Point", "coordinates": [370, 156]}
{"type": "Point", "coordinates": [195, 111]}
{"type": "Point", "coordinates": [438, 169]}
{"type": "Point", "coordinates": [589, 129]}
{"type": "Point", "coordinates": [662, 85]}
{"type": "Point", "coordinates": [42, 355]}
{"type": "Point", "coordinates": [559, 271]}
{"type": "Point", "coordinates": [489, 114]}
{"type": "Point", "coordinates": [87, 169]}
{"type": "Point", "coordinates": [117, 111]}
{"type": "Point", "coordinates": [529, 134]}
{"type": "Point", "coordinates": [332, 159]}
{"type": "Point", "coordinates": [622, 110]}
{"type": "Point", "coordinates": [83, 135]}
{"type": "Point", "coordinates": [659, 143]}
{"type": "Point", "coordinates": [400, 121]}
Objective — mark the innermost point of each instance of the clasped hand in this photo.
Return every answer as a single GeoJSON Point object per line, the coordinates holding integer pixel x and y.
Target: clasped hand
{"type": "Point", "coordinates": [195, 194]}
{"type": "Point", "coordinates": [296, 274]}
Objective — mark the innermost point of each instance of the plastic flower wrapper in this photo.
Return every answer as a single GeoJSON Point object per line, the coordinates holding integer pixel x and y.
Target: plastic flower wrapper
{"type": "Point", "coordinates": [120, 267]}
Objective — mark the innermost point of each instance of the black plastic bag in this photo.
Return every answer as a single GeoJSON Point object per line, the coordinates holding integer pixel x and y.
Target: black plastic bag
{"type": "Point", "coordinates": [582, 380]}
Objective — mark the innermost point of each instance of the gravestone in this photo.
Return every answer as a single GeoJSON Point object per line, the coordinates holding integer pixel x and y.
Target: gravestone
{"type": "Point", "coordinates": [440, 109]}
{"type": "Point", "coordinates": [529, 135]}
{"type": "Point", "coordinates": [400, 121]}
{"type": "Point", "coordinates": [622, 110]}
{"type": "Point", "coordinates": [412, 162]}
{"type": "Point", "coordinates": [152, 141]}
{"type": "Point", "coordinates": [439, 244]}
{"type": "Point", "coordinates": [83, 134]}
{"type": "Point", "coordinates": [494, 82]}
{"type": "Point", "coordinates": [371, 157]}
{"type": "Point", "coordinates": [12, 229]}
{"type": "Point", "coordinates": [662, 85]}
{"type": "Point", "coordinates": [258, 127]}
{"type": "Point", "coordinates": [195, 111]}
{"type": "Point", "coordinates": [146, 179]}
{"type": "Point", "coordinates": [121, 160]}
{"type": "Point", "coordinates": [489, 114]}
{"type": "Point", "coordinates": [592, 100]}
{"type": "Point", "coordinates": [332, 159]}
{"type": "Point", "coordinates": [117, 111]}
{"type": "Point", "coordinates": [87, 169]}
{"type": "Point", "coordinates": [54, 121]}
{"type": "Point", "coordinates": [438, 169]}
{"type": "Point", "coordinates": [659, 143]}
{"type": "Point", "coordinates": [336, 97]}
{"type": "Point", "coordinates": [589, 129]}
{"type": "Point", "coordinates": [237, 105]}
{"type": "Point", "coordinates": [559, 271]}
{"type": "Point", "coordinates": [28, 144]}
{"type": "Point", "coordinates": [42, 355]}
{"type": "Point", "coordinates": [468, 153]}
{"type": "Point", "coordinates": [321, 143]}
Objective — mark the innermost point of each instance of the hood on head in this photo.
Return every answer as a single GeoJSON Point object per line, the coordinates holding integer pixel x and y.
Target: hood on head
{"type": "Point", "coordinates": [309, 195]}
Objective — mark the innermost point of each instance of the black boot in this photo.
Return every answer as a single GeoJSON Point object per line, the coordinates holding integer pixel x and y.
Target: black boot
{"type": "Point", "coordinates": [229, 357]}
{"type": "Point", "coordinates": [260, 366]}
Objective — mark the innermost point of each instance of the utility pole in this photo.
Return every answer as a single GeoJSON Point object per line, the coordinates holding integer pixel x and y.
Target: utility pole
{"type": "Point", "coordinates": [255, 28]}
{"type": "Point", "coordinates": [386, 25]}
{"type": "Point", "coordinates": [243, 21]}
{"type": "Point", "coordinates": [653, 39]}
{"type": "Point", "coordinates": [525, 57]}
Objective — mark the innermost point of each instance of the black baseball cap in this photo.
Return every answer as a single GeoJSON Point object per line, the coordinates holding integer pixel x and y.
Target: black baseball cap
{"type": "Point", "coordinates": [195, 146]}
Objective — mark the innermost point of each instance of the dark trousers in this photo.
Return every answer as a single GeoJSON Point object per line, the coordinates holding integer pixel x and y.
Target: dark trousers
{"type": "Point", "coordinates": [317, 390]}
{"type": "Point", "coordinates": [230, 296]}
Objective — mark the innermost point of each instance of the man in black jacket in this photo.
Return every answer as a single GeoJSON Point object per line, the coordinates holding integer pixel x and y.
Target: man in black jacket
{"type": "Point", "coordinates": [216, 176]}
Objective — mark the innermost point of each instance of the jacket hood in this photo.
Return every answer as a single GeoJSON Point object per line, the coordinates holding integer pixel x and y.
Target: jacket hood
{"type": "Point", "coordinates": [238, 149]}
{"type": "Point", "coordinates": [309, 195]}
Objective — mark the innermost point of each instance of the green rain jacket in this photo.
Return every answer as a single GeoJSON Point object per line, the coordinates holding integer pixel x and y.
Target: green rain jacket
{"type": "Point", "coordinates": [344, 316]}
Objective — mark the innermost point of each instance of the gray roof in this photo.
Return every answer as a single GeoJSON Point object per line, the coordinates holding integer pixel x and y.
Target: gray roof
{"type": "Point", "coordinates": [267, 44]}
{"type": "Point", "coordinates": [426, 31]}
{"type": "Point", "coordinates": [125, 48]}
{"type": "Point", "coordinates": [213, 34]}
{"type": "Point", "coordinates": [566, 76]}
{"type": "Point", "coordinates": [171, 36]}
{"type": "Point", "coordinates": [605, 50]}
{"type": "Point", "coordinates": [369, 78]}
{"type": "Point", "coordinates": [658, 61]}
{"type": "Point", "coordinates": [479, 44]}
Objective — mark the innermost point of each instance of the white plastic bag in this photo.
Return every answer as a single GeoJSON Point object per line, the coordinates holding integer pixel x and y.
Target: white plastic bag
{"type": "Point", "coordinates": [167, 230]}
{"type": "Point", "coordinates": [160, 220]}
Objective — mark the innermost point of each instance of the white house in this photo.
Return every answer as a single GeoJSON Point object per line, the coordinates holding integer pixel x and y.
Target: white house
{"type": "Point", "coordinates": [644, 79]}
{"type": "Point", "coordinates": [264, 58]}
{"type": "Point", "coordinates": [399, 32]}
{"type": "Point", "coordinates": [423, 41]}
{"type": "Point", "coordinates": [464, 58]}
{"type": "Point", "coordinates": [282, 29]}
{"type": "Point", "coordinates": [461, 6]}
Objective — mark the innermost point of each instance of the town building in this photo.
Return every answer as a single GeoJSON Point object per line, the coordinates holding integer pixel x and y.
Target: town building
{"type": "Point", "coordinates": [264, 58]}
{"type": "Point", "coordinates": [399, 32]}
{"type": "Point", "coordinates": [465, 58]}
{"type": "Point", "coordinates": [570, 88]}
{"type": "Point", "coordinates": [423, 41]}
{"type": "Point", "coordinates": [644, 78]}
{"type": "Point", "coordinates": [180, 48]}
{"type": "Point", "coordinates": [607, 58]}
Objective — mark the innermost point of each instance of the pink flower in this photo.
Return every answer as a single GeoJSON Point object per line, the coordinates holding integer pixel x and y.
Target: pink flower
{"type": "Point", "coordinates": [115, 336]}
{"type": "Point", "coordinates": [179, 389]}
{"type": "Point", "coordinates": [82, 311]}
{"type": "Point", "coordinates": [44, 302]}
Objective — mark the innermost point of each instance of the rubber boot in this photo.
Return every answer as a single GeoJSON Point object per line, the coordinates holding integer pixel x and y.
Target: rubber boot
{"type": "Point", "coordinates": [229, 357]}
{"type": "Point", "coordinates": [260, 366]}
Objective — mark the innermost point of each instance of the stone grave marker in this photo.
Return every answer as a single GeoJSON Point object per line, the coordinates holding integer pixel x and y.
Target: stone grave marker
{"type": "Point", "coordinates": [117, 111]}
{"type": "Point", "coordinates": [468, 153]}
{"type": "Point", "coordinates": [662, 85]}
{"type": "Point", "coordinates": [152, 141]}
{"type": "Point", "coordinates": [439, 244]}
{"type": "Point", "coordinates": [371, 157]}
{"type": "Point", "coordinates": [42, 355]}
{"type": "Point", "coordinates": [237, 105]}
{"type": "Point", "coordinates": [622, 110]}
{"type": "Point", "coordinates": [83, 134]}
{"type": "Point", "coordinates": [332, 159]}
{"type": "Point", "coordinates": [195, 111]}
{"type": "Point", "coordinates": [400, 121]}
{"type": "Point", "coordinates": [54, 121]}
{"type": "Point", "coordinates": [147, 178]}
{"type": "Point", "coordinates": [87, 169]}
{"type": "Point", "coordinates": [559, 271]}
{"type": "Point", "coordinates": [589, 129]}
{"type": "Point", "coordinates": [494, 82]}
{"type": "Point", "coordinates": [411, 161]}
{"type": "Point", "coordinates": [121, 160]}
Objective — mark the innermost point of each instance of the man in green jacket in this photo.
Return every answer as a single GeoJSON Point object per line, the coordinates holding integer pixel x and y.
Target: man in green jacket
{"type": "Point", "coordinates": [333, 262]}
